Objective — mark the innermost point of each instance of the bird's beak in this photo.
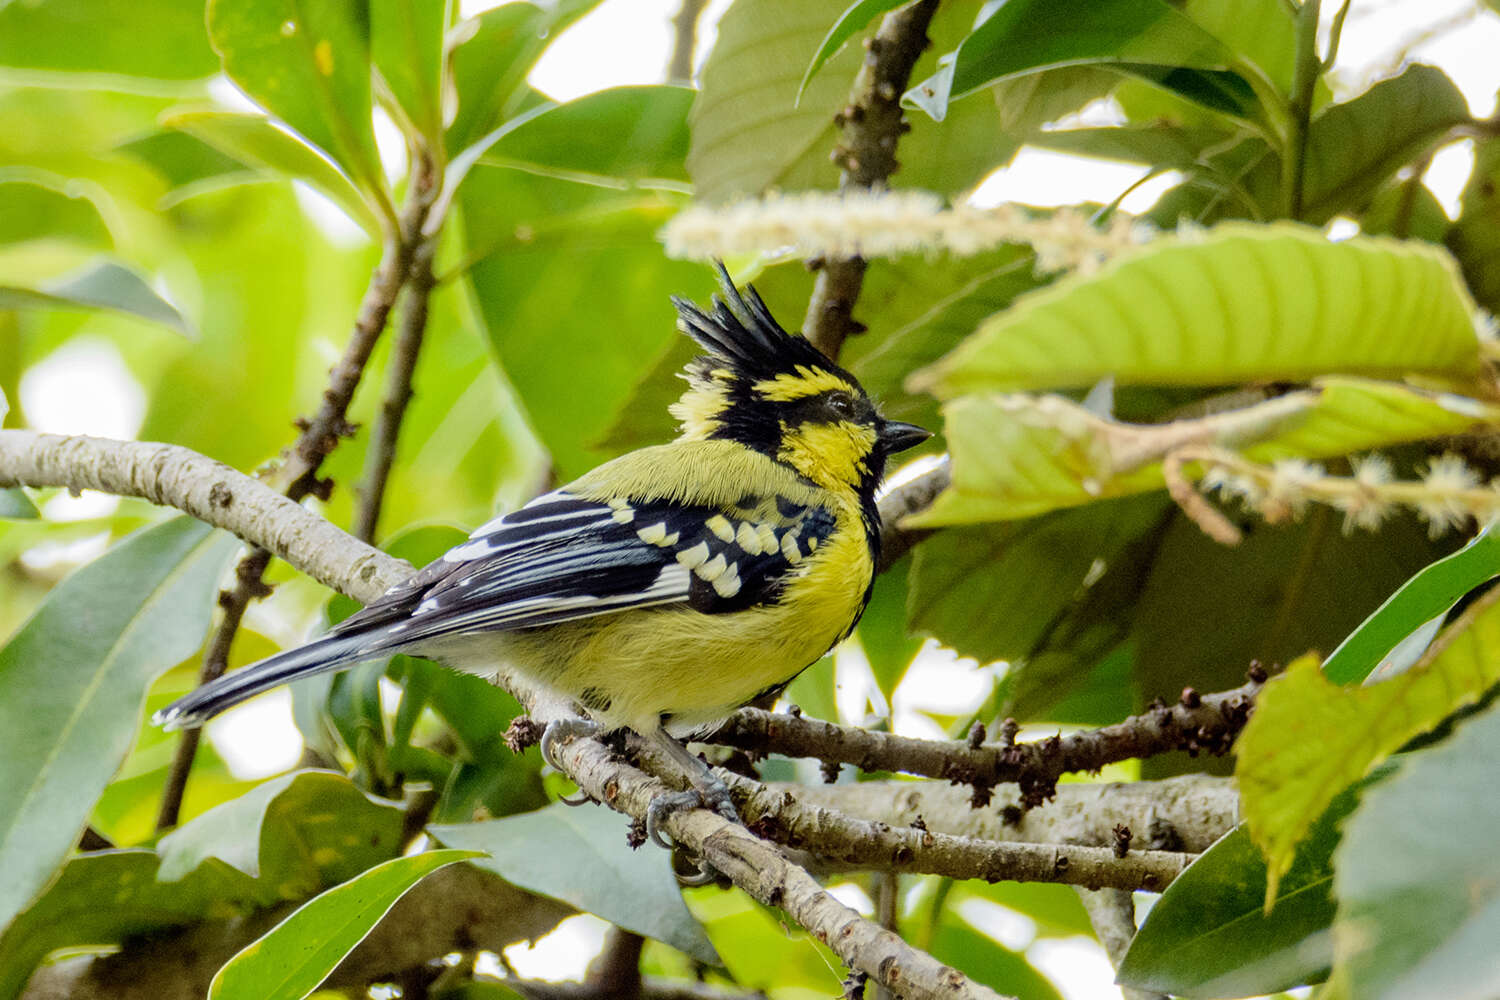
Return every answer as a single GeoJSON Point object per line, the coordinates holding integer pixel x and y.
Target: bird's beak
{"type": "Point", "coordinates": [896, 436]}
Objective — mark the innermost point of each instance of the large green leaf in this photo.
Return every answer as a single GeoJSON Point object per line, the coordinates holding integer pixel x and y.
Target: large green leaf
{"type": "Point", "coordinates": [105, 897]}
{"type": "Point", "coordinates": [83, 36]}
{"type": "Point", "coordinates": [987, 961]}
{"type": "Point", "coordinates": [1238, 304]}
{"type": "Point", "coordinates": [74, 677]}
{"type": "Point", "coordinates": [39, 207]}
{"type": "Point", "coordinates": [635, 133]}
{"type": "Point", "coordinates": [751, 133]}
{"type": "Point", "coordinates": [1148, 37]}
{"type": "Point", "coordinates": [1017, 456]}
{"type": "Point", "coordinates": [543, 242]}
{"type": "Point", "coordinates": [406, 46]}
{"type": "Point", "coordinates": [257, 143]}
{"type": "Point", "coordinates": [1210, 934]}
{"type": "Point", "coordinates": [102, 285]}
{"type": "Point", "coordinates": [295, 834]}
{"type": "Point", "coordinates": [308, 63]}
{"type": "Point", "coordinates": [1309, 738]}
{"type": "Point", "coordinates": [1418, 889]}
{"type": "Point", "coordinates": [883, 635]}
{"type": "Point", "coordinates": [289, 961]}
{"type": "Point", "coordinates": [588, 864]}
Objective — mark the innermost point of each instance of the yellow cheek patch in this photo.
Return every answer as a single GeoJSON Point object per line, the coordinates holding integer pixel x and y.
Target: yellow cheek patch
{"type": "Point", "coordinates": [805, 382]}
{"type": "Point", "coordinates": [828, 454]}
{"type": "Point", "coordinates": [700, 408]}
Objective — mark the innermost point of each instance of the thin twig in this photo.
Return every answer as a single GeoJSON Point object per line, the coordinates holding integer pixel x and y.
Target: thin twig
{"type": "Point", "coordinates": [872, 124]}
{"type": "Point", "coordinates": [320, 435]}
{"type": "Point", "coordinates": [1305, 73]}
{"type": "Point", "coordinates": [1112, 914]}
{"type": "Point", "coordinates": [684, 41]}
{"type": "Point", "coordinates": [616, 971]}
{"type": "Point", "coordinates": [398, 393]}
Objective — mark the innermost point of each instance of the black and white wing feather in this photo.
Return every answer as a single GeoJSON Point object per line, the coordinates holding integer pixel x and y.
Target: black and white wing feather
{"type": "Point", "coordinates": [561, 557]}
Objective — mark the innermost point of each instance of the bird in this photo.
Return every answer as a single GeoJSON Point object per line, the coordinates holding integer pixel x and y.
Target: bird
{"type": "Point", "coordinates": [669, 586]}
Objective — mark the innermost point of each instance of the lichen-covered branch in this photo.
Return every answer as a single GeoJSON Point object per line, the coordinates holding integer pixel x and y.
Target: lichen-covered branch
{"type": "Point", "coordinates": [871, 126]}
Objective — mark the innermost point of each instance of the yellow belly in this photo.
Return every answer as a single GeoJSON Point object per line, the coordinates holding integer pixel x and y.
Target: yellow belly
{"type": "Point", "coordinates": [637, 668]}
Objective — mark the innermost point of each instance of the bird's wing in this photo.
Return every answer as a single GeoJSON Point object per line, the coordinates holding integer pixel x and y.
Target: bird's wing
{"type": "Point", "coordinates": [564, 557]}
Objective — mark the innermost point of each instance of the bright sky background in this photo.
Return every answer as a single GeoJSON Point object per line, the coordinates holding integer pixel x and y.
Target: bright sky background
{"type": "Point", "coordinates": [628, 42]}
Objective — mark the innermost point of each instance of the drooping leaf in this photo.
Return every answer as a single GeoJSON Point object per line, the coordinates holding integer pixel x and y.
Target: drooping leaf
{"type": "Point", "coordinates": [74, 677]}
{"type": "Point", "coordinates": [103, 285]}
{"type": "Point", "coordinates": [105, 897]}
{"type": "Point", "coordinates": [406, 46]}
{"type": "Point", "coordinates": [1406, 209]}
{"type": "Point", "coordinates": [295, 834]}
{"type": "Point", "coordinates": [635, 133]}
{"type": "Point", "coordinates": [588, 864]}
{"type": "Point", "coordinates": [1309, 738]}
{"type": "Point", "coordinates": [883, 635]}
{"type": "Point", "coordinates": [1418, 892]}
{"type": "Point", "coordinates": [1239, 304]}
{"type": "Point", "coordinates": [289, 961]}
{"type": "Point", "coordinates": [855, 18]}
{"type": "Point", "coordinates": [39, 207]}
{"type": "Point", "coordinates": [308, 64]}
{"type": "Point", "coordinates": [1018, 456]}
{"type": "Point", "coordinates": [256, 142]}
{"type": "Point", "coordinates": [1210, 935]}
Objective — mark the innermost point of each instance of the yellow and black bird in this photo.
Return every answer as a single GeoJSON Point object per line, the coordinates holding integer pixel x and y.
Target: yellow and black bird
{"type": "Point", "coordinates": [671, 585]}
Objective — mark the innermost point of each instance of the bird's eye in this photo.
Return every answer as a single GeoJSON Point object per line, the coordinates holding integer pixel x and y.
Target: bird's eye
{"type": "Point", "coordinates": [841, 404]}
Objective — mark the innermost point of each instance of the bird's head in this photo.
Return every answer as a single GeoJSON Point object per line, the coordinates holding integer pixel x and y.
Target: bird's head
{"type": "Point", "coordinates": [778, 394]}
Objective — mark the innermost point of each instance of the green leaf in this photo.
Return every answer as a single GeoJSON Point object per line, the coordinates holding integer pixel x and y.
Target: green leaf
{"type": "Point", "coordinates": [883, 635]}
{"type": "Point", "coordinates": [1475, 238]}
{"type": "Point", "coordinates": [291, 959]}
{"type": "Point", "coordinates": [256, 142]}
{"type": "Point", "coordinates": [102, 285]}
{"type": "Point", "coordinates": [856, 18]}
{"type": "Point", "coordinates": [1309, 738]}
{"type": "Point", "coordinates": [1242, 303]}
{"type": "Point", "coordinates": [989, 962]}
{"type": "Point", "coordinates": [1406, 209]}
{"type": "Point", "coordinates": [635, 133]}
{"type": "Point", "coordinates": [307, 63]}
{"type": "Point", "coordinates": [15, 504]}
{"type": "Point", "coordinates": [543, 241]}
{"type": "Point", "coordinates": [1426, 596]}
{"type": "Point", "coordinates": [1210, 934]}
{"type": "Point", "coordinates": [74, 677]}
{"type": "Point", "coordinates": [1418, 890]}
{"type": "Point", "coordinates": [1137, 35]}
{"type": "Point", "coordinates": [751, 132]}
{"type": "Point", "coordinates": [588, 864]}
{"type": "Point", "coordinates": [1156, 144]}
{"type": "Point", "coordinates": [82, 36]}
{"type": "Point", "coordinates": [295, 834]}
{"type": "Point", "coordinates": [38, 210]}
{"type": "Point", "coordinates": [406, 45]}
{"type": "Point", "coordinates": [1018, 456]}
{"type": "Point", "coordinates": [105, 897]}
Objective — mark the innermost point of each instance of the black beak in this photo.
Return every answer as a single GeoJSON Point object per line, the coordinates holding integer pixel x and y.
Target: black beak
{"type": "Point", "coordinates": [896, 436]}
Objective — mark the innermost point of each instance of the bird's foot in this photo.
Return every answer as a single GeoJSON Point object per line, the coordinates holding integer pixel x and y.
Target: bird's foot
{"type": "Point", "coordinates": [708, 793]}
{"type": "Point", "coordinates": [560, 731]}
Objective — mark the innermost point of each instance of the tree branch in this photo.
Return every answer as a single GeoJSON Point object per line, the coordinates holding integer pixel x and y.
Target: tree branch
{"type": "Point", "coordinates": [684, 41]}
{"type": "Point", "coordinates": [1112, 915]}
{"type": "Point", "coordinates": [1197, 723]}
{"type": "Point", "coordinates": [872, 124]}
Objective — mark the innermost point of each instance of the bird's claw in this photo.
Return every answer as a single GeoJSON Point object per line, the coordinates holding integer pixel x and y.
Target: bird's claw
{"type": "Point", "coordinates": [714, 797]}
{"type": "Point", "coordinates": [564, 730]}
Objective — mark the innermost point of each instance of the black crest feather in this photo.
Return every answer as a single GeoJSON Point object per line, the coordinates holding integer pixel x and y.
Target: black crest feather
{"type": "Point", "coordinates": [742, 331]}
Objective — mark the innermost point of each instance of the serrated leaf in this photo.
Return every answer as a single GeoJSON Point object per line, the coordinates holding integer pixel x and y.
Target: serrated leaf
{"type": "Point", "coordinates": [256, 142]}
{"type": "Point", "coordinates": [308, 63]}
{"type": "Point", "coordinates": [295, 834]}
{"type": "Point", "coordinates": [1019, 456]}
{"type": "Point", "coordinates": [290, 960]}
{"type": "Point", "coordinates": [588, 864]}
{"type": "Point", "coordinates": [1418, 890]}
{"type": "Point", "coordinates": [1145, 36]}
{"type": "Point", "coordinates": [74, 677]}
{"type": "Point", "coordinates": [406, 46]}
{"type": "Point", "coordinates": [102, 285]}
{"type": "Point", "coordinates": [1242, 303]}
{"type": "Point", "coordinates": [1210, 935]}
{"type": "Point", "coordinates": [1309, 739]}
{"type": "Point", "coordinates": [73, 912]}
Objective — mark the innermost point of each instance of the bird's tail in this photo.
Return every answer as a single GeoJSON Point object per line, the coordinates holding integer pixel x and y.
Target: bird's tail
{"type": "Point", "coordinates": [330, 653]}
